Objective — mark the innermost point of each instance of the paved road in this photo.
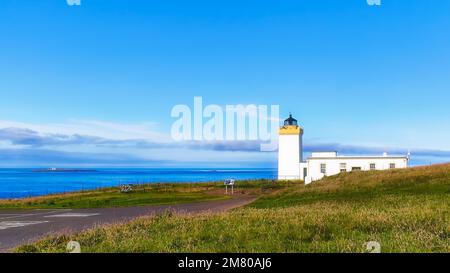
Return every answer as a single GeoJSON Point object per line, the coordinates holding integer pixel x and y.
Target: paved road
{"type": "Point", "coordinates": [24, 226]}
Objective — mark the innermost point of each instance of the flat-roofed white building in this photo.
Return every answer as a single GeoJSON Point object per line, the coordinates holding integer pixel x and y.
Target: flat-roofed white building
{"type": "Point", "coordinates": [321, 164]}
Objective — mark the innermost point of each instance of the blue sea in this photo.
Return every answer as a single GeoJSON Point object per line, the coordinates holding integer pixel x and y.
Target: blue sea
{"type": "Point", "coordinates": [19, 183]}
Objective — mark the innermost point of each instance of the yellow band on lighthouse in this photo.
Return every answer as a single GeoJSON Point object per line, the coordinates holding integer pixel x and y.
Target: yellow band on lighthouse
{"type": "Point", "coordinates": [290, 130]}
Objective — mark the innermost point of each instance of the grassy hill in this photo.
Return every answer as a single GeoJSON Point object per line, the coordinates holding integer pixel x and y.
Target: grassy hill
{"type": "Point", "coordinates": [404, 210]}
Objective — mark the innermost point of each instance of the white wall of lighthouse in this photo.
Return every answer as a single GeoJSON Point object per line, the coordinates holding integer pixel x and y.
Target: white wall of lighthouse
{"type": "Point", "coordinates": [289, 156]}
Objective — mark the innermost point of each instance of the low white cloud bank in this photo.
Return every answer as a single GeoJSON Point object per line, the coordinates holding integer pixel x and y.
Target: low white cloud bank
{"type": "Point", "coordinates": [106, 143]}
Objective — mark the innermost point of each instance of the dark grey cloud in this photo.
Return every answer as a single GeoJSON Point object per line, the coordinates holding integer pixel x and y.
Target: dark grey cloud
{"type": "Point", "coordinates": [21, 136]}
{"type": "Point", "coordinates": [231, 146]}
{"type": "Point", "coordinates": [44, 157]}
{"type": "Point", "coordinates": [27, 137]}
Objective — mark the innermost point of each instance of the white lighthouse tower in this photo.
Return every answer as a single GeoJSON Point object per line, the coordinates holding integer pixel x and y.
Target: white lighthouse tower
{"type": "Point", "coordinates": [290, 150]}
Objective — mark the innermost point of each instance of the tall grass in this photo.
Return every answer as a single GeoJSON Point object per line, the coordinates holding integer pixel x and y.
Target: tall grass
{"type": "Point", "coordinates": [403, 210]}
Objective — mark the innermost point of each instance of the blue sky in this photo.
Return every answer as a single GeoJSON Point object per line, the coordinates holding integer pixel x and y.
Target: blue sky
{"type": "Point", "coordinates": [94, 84]}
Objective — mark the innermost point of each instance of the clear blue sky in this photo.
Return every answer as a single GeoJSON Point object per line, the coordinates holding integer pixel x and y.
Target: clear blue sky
{"type": "Point", "coordinates": [353, 74]}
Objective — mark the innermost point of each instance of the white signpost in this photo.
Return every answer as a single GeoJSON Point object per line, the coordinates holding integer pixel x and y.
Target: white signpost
{"type": "Point", "coordinates": [229, 182]}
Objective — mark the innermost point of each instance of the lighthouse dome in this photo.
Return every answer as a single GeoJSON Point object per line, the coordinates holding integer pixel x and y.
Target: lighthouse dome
{"type": "Point", "coordinates": [290, 121]}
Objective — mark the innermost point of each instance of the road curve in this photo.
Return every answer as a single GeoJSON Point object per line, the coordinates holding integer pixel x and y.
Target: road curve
{"type": "Point", "coordinates": [19, 227]}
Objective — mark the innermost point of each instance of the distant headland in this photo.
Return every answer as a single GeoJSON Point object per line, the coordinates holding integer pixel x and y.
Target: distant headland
{"type": "Point", "coordinates": [60, 170]}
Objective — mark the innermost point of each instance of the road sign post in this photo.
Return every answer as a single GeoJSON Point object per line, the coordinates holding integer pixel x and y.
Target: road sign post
{"type": "Point", "coordinates": [229, 182]}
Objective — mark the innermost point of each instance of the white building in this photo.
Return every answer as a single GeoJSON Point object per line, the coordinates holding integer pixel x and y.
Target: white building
{"type": "Point", "coordinates": [292, 167]}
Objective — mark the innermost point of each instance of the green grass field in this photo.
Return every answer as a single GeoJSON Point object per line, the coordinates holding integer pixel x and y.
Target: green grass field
{"type": "Point", "coordinates": [404, 210]}
{"type": "Point", "coordinates": [142, 195]}
{"type": "Point", "coordinates": [112, 197]}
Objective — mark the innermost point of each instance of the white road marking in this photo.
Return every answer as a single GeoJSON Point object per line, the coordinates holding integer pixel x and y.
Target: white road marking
{"type": "Point", "coordinates": [15, 224]}
{"type": "Point", "coordinates": [10, 216]}
{"type": "Point", "coordinates": [73, 215]}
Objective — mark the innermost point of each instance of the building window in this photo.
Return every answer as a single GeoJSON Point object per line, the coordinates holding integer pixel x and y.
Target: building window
{"type": "Point", "coordinates": [323, 168]}
{"type": "Point", "coordinates": [343, 167]}
{"type": "Point", "coordinates": [373, 167]}
{"type": "Point", "coordinates": [392, 166]}
{"type": "Point", "coordinates": [356, 168]}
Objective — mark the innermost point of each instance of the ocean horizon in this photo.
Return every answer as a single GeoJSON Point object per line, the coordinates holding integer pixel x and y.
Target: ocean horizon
{"type": "Point", "coordinates": [29, 182]}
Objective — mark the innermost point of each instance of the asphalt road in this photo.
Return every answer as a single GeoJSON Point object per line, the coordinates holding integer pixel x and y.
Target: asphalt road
{"type": "Point", "coordinates": [18, 227]}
